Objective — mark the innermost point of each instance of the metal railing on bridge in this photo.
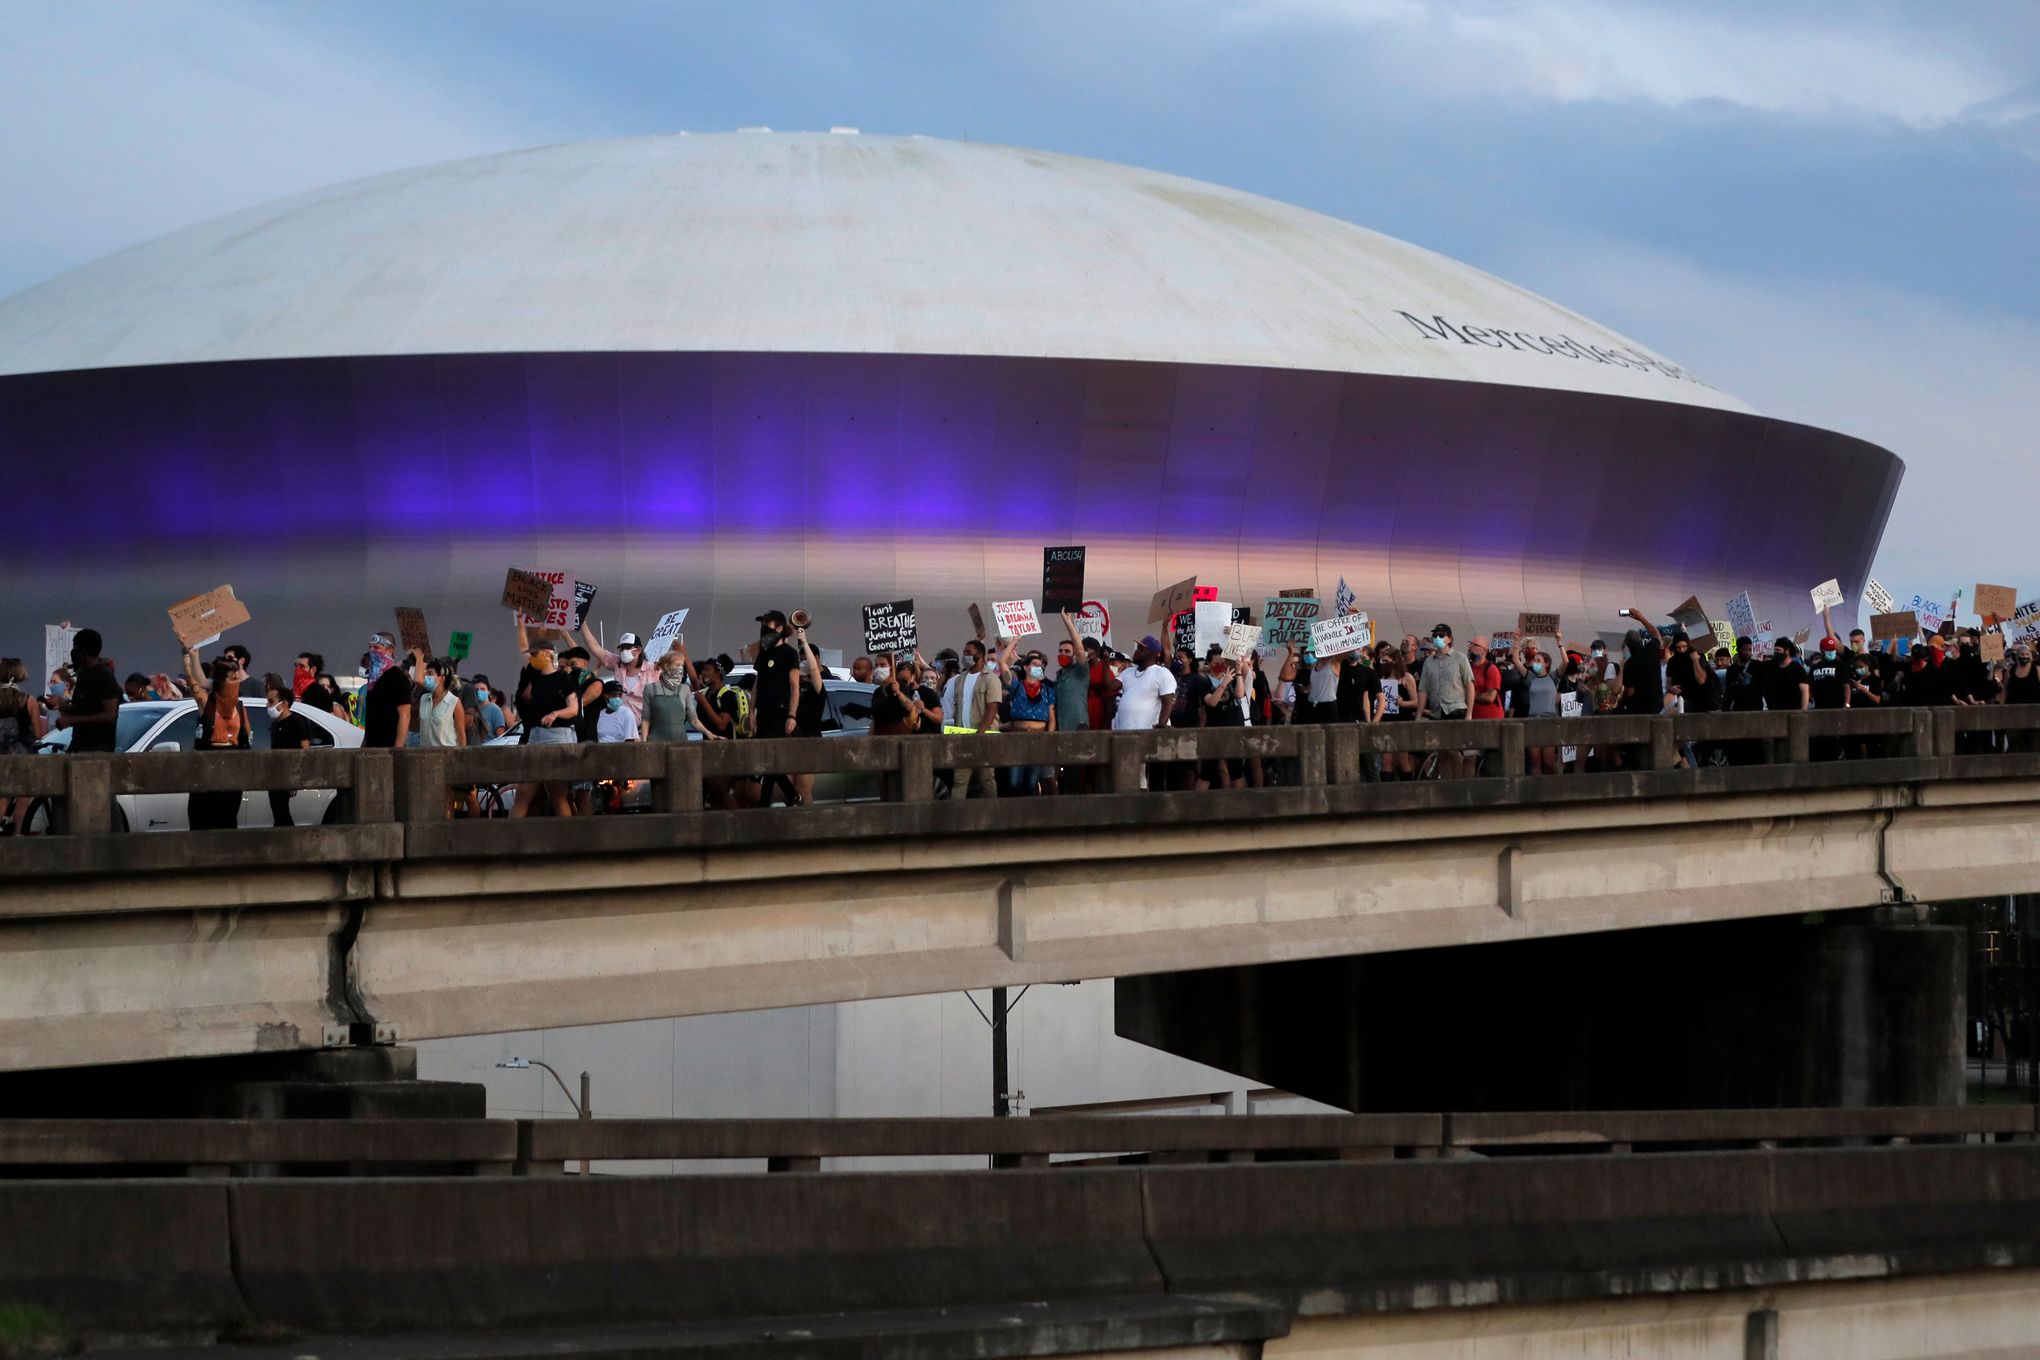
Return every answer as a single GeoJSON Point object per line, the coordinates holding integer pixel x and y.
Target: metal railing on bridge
{"type": "Point", "coordinates": [391, 805]}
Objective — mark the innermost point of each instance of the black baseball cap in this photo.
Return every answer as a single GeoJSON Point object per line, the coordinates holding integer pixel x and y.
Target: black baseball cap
{"type": "Point", "coordinates": [774, 616]}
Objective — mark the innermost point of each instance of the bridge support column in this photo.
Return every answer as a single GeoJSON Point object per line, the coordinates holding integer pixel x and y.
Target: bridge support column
{"type": "Point", "coordinates": [1736, 1014]}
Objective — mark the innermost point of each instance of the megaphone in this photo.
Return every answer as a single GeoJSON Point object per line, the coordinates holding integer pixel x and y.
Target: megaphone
{"type": "Point", "coordinates": [800, 618]}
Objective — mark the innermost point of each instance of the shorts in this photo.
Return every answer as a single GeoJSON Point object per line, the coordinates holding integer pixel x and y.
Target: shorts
{"type": "Point", "coordinates": [1456, 715]}
{"type": "Point", "coordinates": [555, 736]}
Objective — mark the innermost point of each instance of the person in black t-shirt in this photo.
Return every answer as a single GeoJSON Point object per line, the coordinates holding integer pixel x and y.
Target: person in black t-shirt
{"type": "Point", "coordinates": [1643, 676]}
{"type": "Point", "coordinates": [386, 709]}
{"type": "Point", "coordinates": [92, 710]}
{"type": "Point", "coordinates": [289, 730]}
{"type": "Point", "coordinates": [775, 689]}
{"type": "Point", "coordinates": [1786, 683]}
{"type": "Point", "coordinates": [1827, 682]}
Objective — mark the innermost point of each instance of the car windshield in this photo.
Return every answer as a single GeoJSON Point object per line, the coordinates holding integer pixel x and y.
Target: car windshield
{"type": "Point", "coordinates": [134, 721]}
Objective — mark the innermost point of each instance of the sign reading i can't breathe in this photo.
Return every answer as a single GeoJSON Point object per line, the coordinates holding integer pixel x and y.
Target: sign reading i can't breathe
{"type": "Point", "coordinates": [891, 627]}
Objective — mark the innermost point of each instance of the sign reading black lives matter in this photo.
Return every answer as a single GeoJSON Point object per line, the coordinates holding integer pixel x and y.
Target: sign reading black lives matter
{"type": "Point", "coordinates": [1062, 579]}
{"type": "Point", "coordinates": [890, 628]}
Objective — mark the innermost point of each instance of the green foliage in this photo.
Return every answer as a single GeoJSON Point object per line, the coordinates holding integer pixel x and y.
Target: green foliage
{"type": "Point", "coordinates": [23, 1322]}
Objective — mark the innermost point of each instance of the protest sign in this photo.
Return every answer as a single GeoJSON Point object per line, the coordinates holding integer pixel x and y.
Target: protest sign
{"type": "Point", "coordinates": [1897, 624]}
{"type": "Point", "coordinates": [1691, 616]}
{"type": "Point", "coordinates": [1213, 617]}
{"type": "Point", "coordinates": [1569, 706]}
{"type": "Point", "coordinates": [559, 604]}
{"type": "Point", "coordinates": [1241, 639]}
{"type": "Point", "coordinates": [1062, 579]}
{"type": "Point", "coordinates": [891, 627]}
{"type": "Point", "coordinates": [459, 645]}
{"type": "Point", "coordinates": [207, 615]}
{"type": "Point", "coordinates": [1931, 612]}
{"type": "Point", "coordinates": [57, 640]}
{"type": "Point", "coordinates": [1802, 635]}
{"type": "Point", "coordinates": [1339, 635]}
{"type": "Point", "coordinates": [584, 595]}
{"type": "Point", "coordinates": [977, 621]}
{"type": "Point", "coordinates": [1877, 597]}
{"type": "Point", "coordinates": [1991, 647]}
{"type": "Point", "coordinates": [1996, 602]}
{"type": "Point", "coordinates": [1015, 618]}
{"type": "Point", "coordinates": [1094, 620]}
{"type": "Point", "coordinates": [1537, 625]}
{"type": "Point", "coordinates": [1300, 593]}
{"type": "Point", "coordinates": [2025, 623]}
{"type": "Point", "coordinates": [1742, 616]}
{"type": "Point", "coordinates": [664, 634]}
{"type": "Point", "coordinates": [526, 592]}
{"type": "Point", "coordinates": [1827, 594]}
{"type": "Point", "coordinates": [1172, 601]}
{"type": "Point", "coordinates": [1343, 599]}
{"type": "Point", "coordinates": [1724, 636]}
{"type": "Point", "coordinates": [412, 632]}
{"type": "Point", "coordinates": [1286, 619]}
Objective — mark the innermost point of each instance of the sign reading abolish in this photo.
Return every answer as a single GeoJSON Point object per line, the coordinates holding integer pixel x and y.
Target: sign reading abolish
{"type": "Point", "coordinates": [891, 628]}
{"type": "Point", "coordinates": [1827, 594]}
{"type": "Point", "coordinates": [1062, 579]}
{"type": "Point", "coordinates": [1897, 624]}
{"type": "Point", "coordinates": [527, 593]}
{"type": "Point", "coordinates": [207, 615]}
{"type": "Point", "coordinates": [664, 634]}
{"type": "Point", "coordinates": [1015, 618]}
{"type": "Point", "coordinates": [1286, 619]}
{"type": "Point", "coordinates": [1241, 639]}
{"type": "Point", "coordinates": [459, 645]}
{"type": "Point", "coordinates": [1341, 634]}
{"type": "Point", "coordinates": [1173, 600]}
{"type": "Point", "coordinates": [411, 630]}
{"type": "Point", "coordinates": [1537, 625]}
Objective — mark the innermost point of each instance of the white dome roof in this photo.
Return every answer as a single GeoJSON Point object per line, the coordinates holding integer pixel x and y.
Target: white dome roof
{"type": "Point", "coordinates": [819, 242]}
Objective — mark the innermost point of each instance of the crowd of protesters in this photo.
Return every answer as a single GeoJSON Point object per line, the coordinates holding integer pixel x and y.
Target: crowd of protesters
{"type": "Point", "coordinates": [572, 691]}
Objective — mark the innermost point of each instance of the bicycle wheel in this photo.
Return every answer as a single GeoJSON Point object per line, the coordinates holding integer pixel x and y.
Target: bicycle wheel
{"type": "Point", "coordinates": [1429, 769]}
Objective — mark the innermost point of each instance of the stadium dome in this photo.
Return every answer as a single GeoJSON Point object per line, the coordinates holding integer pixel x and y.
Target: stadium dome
{"type": "Point", "coordinates": [754, 370]}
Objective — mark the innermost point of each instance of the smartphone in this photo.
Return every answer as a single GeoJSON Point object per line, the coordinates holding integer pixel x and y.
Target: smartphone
{"type": "Point", "coordinates": [1625, 613]}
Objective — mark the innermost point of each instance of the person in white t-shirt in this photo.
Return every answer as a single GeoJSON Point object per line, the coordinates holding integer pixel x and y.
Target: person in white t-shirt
{"type": "Point", "coordinates": [619, 721]}
{"type": "Point", "coordinates": [1144, 690]}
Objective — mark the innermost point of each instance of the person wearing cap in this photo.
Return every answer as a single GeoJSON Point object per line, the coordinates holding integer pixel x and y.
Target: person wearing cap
{"type": "Point", "coordinates": [628, 664]}
{"type": "Point", "coordinates": [382, 650]}
{"type": "Point", "coordinates": [1445, 692]}
{"type": "Point", "coordinates": [388, 705]}
{"type": "Point", "coordinates": [1146, 690]}
{"type": "Point", "coordinates": [547, 699]}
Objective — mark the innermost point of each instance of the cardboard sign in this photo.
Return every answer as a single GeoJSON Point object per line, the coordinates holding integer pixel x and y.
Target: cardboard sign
{"type": "Point", "coordinates": [1172, 601]}
{"type": "Point", "coordinates": [584, 595]}
{"type": "Point", "coordinates": [1342, 634]}
{"type": "Point", "coordinates": [890, 628]}
{"type": "Point", "coordinates": [412, 632]}
{"type": "Point", "coordinates": [1286, 619]}
{"type": "Point", "coordinates": [207, 615]}
{"type": "Point", "coordinates": [57, 640]}
{"type": "Point", "coordinates": [1897, 624]}
{"type": "Point", "coordinates": [1015, 618]}
{"type": "Point", "coordinates": [1691, 616]}
{"type": "Point", "coordinates": [1742, 616]}
{"type": "Point", "coordinates": [1062, 579]}
{"type": "Point", "coordinates": [1877, 597]}
{"type": "Point", "coordinates": [1991, 647]}
{"type": "Point", "coordinates": [527, 593]}
{"type": "Point", "coordinates": [559, 604]}
{"type": "Point", "coordinates": [977, 620]}
{"type": "Point", "coordinates": [1094, 620]}
{"type": "Point", "coordinates": [1212, 618]}
{"type": "Point", "coordinates": [664, 634]}
{"type": "Point", "coordinates": [1996, 602]}
{"type": "Point", "coordinates": [1724, 636]}
{"type": "Point", "coordinates": [1537, 625]}
{"type": "Point", "coordinates": [1300, 593]}
{"type": "Point", "coordinates": [1827, 594]}
{"type": "Point", "coordinates": [1802, 635]}
{"type": "Point", "coordinates": [1241, 639]}
{"type": "Point", "coordinates": [459, 645]}
{"type": "Point", "coordinates": [1343, 599]}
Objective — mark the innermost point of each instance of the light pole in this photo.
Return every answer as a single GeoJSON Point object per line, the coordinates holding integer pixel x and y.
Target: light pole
{"type": "Point", "coordinates": [583, 1109]}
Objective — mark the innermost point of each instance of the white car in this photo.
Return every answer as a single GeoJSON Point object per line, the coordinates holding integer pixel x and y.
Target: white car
{"type": "Point", "coordinates": [166, 725]}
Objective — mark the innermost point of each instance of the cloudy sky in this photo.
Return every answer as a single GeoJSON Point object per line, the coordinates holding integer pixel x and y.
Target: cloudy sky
{"type": "Point", "coordinates": [1828, 208]}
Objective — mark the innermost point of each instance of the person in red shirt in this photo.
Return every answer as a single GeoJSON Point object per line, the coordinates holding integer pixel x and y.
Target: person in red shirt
{"type": "Point", "coordinates": [1487, 682]}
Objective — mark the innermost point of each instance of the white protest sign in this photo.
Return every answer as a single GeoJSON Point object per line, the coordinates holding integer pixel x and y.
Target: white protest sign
{"type": "Point", "coordinates": [1930, 612]}
{"type": "Point", "coordinates": [1343, 600]}
{"type": "Point", "coordinates": [2025, 622]}
{"type": "Point", "coordinates": [559, 611]}
{"type": "Point", "coordinates": [664, 634]}
{"type": "Point", "coordinates": [1569, 706]}
{"type": "Point", "coordinates": [1827, 594]}
{"type": "Point", "coordinates": [57, 641]}
{"type": "Point", "coordinates": [1878, 598]}
{"type": "Point", "coordinates": [1241, 639]}
{"type": "Point", "coordinates": [1094, 620]}
{"type": "Point", "coordinates": [1742, 616]}
{"type": "Point", "coordinates": [1015, 618]}
{"type": "Point", "coordinates": [1337, 636]}
{"type": "Point", "coordinates": [1212, 618]}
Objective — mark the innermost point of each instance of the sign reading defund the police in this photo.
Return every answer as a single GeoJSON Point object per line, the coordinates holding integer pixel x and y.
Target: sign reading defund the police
{"type": "Point", "coordinates": [1286, 619]}
{"type": "Point", "coordinates": [890, 628]}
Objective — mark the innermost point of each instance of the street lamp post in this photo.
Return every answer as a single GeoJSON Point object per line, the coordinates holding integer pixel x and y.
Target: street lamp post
{"type": "Point", "coordinates": [583, 1109]}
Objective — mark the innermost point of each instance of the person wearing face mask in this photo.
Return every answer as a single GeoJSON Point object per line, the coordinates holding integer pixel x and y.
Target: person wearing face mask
{"type": "Point", "coordinates": [1538, 698]}
{"type": "Point", "coordinates": [1447, 690]}
{"type": "Point", "coordinates": [438, 717]}
{"type": "Point", "coordinates": [618, 720]}
{"type": "Point", "coordinates": [223, 725]}
{"type": "Point", "coordinates": [669, 697]}
{"type": "Point", "coordinates": [547, 698]}
{"type": "Point", "coordinates": [810, 705]}
{"type": "Point", "coordinates": [1030, 707]}
{"type": "Point", "coordinates": [289, 730]}
{"type": "Point", "coordinates": [387, 709]}
{"type": "Point", "coordinates": [628, 663]}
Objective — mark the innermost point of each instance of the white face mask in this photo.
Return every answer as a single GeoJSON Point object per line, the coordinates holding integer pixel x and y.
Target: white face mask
{"type": "Point", "coordinates": [276, 710]}
{"type": "Point", "coordinates": [992, 667]}
{"type": "Point", "coordinates": [881, 674]}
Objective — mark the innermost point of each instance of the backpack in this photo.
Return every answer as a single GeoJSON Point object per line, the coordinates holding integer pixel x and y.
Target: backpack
{"type": "Point", "coordinates": [743, 720]}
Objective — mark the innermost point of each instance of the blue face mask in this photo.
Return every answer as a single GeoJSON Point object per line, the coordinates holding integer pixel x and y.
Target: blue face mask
{"type": "Point", "coordinates": [482, 695]}
{"type": "Point", "coordinates": [431, 683]}
{"type": "Point", "coordinates": [1034, 672]}
{"type": "Point", "coordinates": [613, 703]}
{"type": "Point", "coordinates": [1537, 668]}
{"type": "Point", "coordinates": [1721, 672]}
{"type": "Point", "coordinates": [1830, 655]}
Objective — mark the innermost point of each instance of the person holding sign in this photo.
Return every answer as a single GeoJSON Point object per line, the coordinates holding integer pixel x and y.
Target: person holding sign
{"type": "Point", "coordinates": [1221, 703]}
{"type": "Point", "coordinates": [93, 706]}
{"type": "Point", "coordinates": [222, 726]}
{"type": "Point", "coordinates": [550, 705]}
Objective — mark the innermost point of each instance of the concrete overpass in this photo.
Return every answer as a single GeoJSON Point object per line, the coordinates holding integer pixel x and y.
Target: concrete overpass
{"type": "Point", "coordinates": [396, 923]}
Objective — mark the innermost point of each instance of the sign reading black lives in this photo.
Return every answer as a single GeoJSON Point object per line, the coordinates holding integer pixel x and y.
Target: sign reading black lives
{"type": "Point", "coordinates": [1062, 580]}
{"type": "Point", "coordinates": [890, 628]}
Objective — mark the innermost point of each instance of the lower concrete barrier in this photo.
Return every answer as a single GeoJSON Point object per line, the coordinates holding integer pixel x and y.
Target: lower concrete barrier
{"type": "Point", "coordinates": [120, 1256]}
